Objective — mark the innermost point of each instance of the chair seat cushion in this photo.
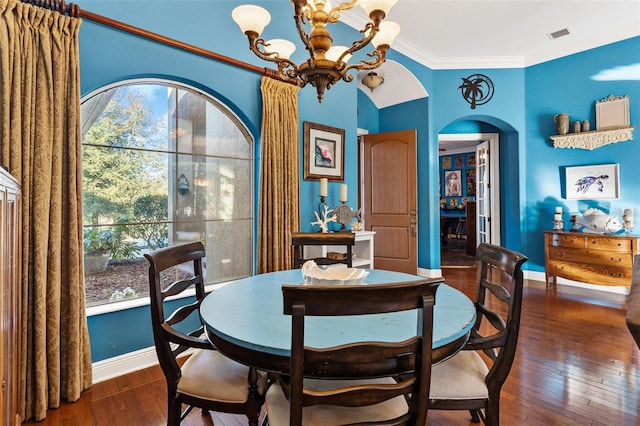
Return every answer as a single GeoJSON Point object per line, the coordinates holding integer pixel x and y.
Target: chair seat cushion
{"type": "Point", "coordinates": [460, 377]}
{"type": "Point", "coordinates": [330, 415]}
{"type": "Point", "coordinates": [207, 374]}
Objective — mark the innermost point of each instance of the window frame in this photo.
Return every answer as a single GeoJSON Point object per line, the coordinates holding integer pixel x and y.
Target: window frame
{"type": "Point", "coordinates": [145, 301]}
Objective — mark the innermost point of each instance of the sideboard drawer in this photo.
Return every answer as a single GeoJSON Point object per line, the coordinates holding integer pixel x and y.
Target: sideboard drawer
{"type": "Point", "coordinates": [592, 273]}
{"type": "Point", "coordinates": [567, 240]}
{"type": "Point", "coordinates": [598, 257]}
{"type": "Point", "coordinates": [618, 244]}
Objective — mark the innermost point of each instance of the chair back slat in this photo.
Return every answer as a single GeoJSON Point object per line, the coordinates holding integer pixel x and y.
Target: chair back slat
{"type": "Point", "coordinates": [409, 359]}
{"type": "Point", "coordinates": [178, 287]}
{"type": "Point", "coordinates": [301, 239]}
{"type": "Point", "coordinates": [357, 396]}
{"type": "Point", "coordinates": [367, 359]}
{"type": "Point", "coordinates": [182, 313]}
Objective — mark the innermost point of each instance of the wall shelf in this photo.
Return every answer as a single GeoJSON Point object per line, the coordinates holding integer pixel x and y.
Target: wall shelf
{"type": "Point", "coordinates": [594, 139]}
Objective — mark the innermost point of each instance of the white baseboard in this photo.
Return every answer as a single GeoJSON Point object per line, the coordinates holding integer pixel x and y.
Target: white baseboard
{"type": "Point", "coordinates": [430, 273]}
{"type": "Point", "coordinates": [124, 364]}
{"type": "Point", "coordinates": [127, 363]}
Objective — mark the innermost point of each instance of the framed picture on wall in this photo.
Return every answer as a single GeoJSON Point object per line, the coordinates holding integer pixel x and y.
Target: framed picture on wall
{"type": "Point", "coordinates": [471, 181]}
{"type": "Point", "coordinates": [323, 152]}
{"type": "Point", "coordinates": [595, 182]}
{"type": "Point", "coordinates": [452, 183]}
{"type": "Point", "coordinates": [471, 160]}
{"type": "Point", "coordinates": [459, 161]}
{"type": "Point", "coordinates": [446, 162]}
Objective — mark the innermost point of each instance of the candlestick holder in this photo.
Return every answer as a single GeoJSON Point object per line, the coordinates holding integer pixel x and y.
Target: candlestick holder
{"type": "Point", "coordinates": [321, 205]}
{"type": "Point", "coordinates": [574, 225]}
{"type": "Point", "coordinates": [558, 224]}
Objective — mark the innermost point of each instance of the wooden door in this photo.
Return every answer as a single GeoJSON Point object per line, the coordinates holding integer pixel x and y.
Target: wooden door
{"type": "Point", "coordinates": [390, 193]}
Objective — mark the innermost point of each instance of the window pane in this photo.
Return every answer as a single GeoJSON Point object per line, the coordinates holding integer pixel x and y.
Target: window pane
{"type": "Point", "coordinates": [163, 165]}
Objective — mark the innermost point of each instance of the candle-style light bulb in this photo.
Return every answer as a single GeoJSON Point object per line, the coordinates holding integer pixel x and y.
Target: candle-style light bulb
{"type": "Point", "coordinates": [323, 187]}
{"type": "Point", "coordinates": [343, 193]}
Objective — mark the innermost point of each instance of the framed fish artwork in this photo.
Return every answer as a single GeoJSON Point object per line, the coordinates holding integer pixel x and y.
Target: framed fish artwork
{"type": "Point", "coordinates": [596, 182]}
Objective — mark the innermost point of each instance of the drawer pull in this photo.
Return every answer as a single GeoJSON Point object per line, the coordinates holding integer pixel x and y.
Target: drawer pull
{"type": "Point", "coordinates": [614, 259]}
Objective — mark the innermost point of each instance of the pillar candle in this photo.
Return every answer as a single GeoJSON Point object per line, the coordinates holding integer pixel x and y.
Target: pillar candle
{"type": "Point", "coordinates": [323, 187]}
{"type": "Point", "coordinates": [343, 192]}
{"type": "Point", "coordinates": [557, 216]}
{"type": "Point", "coordinates": [559, 210]}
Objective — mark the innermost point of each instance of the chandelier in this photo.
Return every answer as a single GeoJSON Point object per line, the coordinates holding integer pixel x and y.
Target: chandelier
{"type": "Point", "coordinates": [327, 64]}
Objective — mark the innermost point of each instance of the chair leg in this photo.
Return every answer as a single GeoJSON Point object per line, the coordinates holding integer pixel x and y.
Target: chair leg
{"type": "Point", "coordinates": [475, 416]}
{"type": "Point", "coordinates": [253, 406]}
{"type": "Point", "coordinates": [492, 412]}
{"type": "Point", "coordinates": [173, 411]}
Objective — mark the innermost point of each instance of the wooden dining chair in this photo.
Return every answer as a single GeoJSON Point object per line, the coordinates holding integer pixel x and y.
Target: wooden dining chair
{"type": "Point", "coordinates": [466, 381]}
{"type": "Point", "coordinates": [316, 240]}
{"type": "Point", "coordinates": [207, 379]}
{"type": "Point", "coordinates": [358, 382]}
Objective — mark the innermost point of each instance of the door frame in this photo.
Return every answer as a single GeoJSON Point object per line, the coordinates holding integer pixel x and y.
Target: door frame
{"type": "Point", "coordinates": [494, 171]}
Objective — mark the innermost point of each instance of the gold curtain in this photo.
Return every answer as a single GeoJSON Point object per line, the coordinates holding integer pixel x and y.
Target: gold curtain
{"type": "Point", "coordinates": [278, 211]}
{"type": "Point", "coordinates": [40, 144]}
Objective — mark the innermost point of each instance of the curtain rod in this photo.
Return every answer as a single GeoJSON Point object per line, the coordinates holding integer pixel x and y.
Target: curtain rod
{"type": "Point", "coordinates": [74, 11]}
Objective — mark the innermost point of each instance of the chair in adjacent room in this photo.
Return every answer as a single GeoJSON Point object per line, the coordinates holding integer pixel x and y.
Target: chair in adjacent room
{"type": "Point", "coordinates": [336, 385]}
{"type": "Point", "coordinates": [207, 379]}
{"type": "Point", "coordinates": [316, 240]}
{"type": "Point", "coordinates": [466, 381]}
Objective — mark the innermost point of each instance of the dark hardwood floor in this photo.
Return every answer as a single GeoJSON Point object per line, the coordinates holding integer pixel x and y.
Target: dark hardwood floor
{"type": "Point", "coordinates": [576, 364]}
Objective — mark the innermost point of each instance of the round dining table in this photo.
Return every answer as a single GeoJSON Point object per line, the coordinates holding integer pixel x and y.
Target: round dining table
{"type": "Point", "coordinates": [244, 319]}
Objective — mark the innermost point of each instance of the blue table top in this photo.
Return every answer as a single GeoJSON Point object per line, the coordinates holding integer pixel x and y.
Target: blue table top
{"type": "Point", "coordinates": [249, 313]}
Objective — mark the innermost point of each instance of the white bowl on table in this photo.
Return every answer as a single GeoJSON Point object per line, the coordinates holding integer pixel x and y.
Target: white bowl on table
{"type": "Point", "coordinates": [338, 274]}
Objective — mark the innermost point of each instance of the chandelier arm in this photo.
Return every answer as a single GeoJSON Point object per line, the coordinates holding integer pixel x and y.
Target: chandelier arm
{"type": "Point", "coordinates": [359, 44]}
{"type": "Point", "coordinates": [299, 17]}
{"type": "Point", "coordinates": [380, 57]}
{"type": "Point", "coordinates": [286, 66]}
{"type": "Point", "coordinates": [334, 14]}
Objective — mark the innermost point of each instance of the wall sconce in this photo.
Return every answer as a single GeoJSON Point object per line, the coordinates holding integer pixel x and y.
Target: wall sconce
{"type": "Point", "coordinates": [183, 184]}
{"type": "Point", "coordinates": [372, 80]}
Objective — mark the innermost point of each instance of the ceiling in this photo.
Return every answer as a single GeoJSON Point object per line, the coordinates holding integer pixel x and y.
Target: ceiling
{"type": "Point", "coordinates": [457, 34]}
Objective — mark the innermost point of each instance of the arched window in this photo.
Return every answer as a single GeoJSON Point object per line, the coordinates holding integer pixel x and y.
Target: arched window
{"type": "Point", "coordinates": [162, 164]}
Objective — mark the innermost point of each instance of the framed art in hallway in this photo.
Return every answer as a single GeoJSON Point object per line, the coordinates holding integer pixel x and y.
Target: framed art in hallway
{"type": "Point", "coordinates": [452, 184]}
{"type": "Point", "coordinates": [323, 152]}
{"type": "Point", "coordinates": [596, 182]}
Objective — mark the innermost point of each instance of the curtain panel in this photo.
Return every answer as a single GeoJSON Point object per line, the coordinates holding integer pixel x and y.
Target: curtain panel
{"type": "Point", "coordinates": [278, 205]}
{"type": "Point", "coordinates": [40, 145]}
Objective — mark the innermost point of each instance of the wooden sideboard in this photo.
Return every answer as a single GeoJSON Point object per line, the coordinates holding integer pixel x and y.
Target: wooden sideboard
{"type": "Point", "coordinates": [590, 258]}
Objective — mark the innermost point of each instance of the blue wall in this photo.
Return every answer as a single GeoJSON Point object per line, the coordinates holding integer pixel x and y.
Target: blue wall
{"type": "Point", "coordinates": [521, 110]}
{"type": "Point", "coordinates": [568, 85]}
